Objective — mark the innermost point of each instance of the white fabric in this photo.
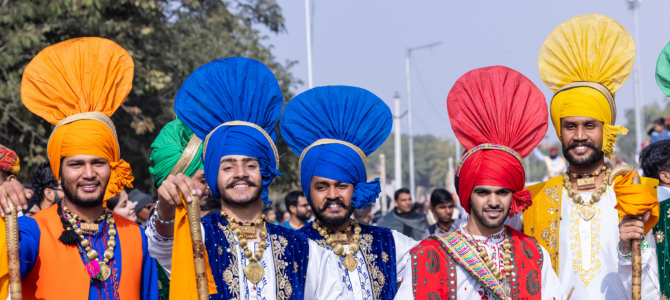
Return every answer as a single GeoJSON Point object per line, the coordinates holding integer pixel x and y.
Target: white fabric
{"type": "Point", "coordinates": [663, 193]}
{"type": "Point", "coordinates": [588, 252]}
{"type": "Point", "coordinates": [557, 165]}
{"type": "Point", "coordinates": [318, 284]}
{"type": "Point", "coordinates": [469, 288]}
{"type": "Point", "coordinates": [357, 284]}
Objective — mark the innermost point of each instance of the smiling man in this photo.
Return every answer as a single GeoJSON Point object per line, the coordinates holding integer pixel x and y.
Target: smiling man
{"type": "Point", "coordinates": [233, 105]}
{"type": "Point", "coordinates": [333, 129]}
{"type": "Point", "coordinates": [77, 248]}
{"type": "Point", "coordinates": [574, 215]}
{"type": "Point", "coordinates": [499, 116]}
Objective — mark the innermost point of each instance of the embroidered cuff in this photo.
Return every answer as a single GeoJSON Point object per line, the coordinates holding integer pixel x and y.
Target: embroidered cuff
{"type": "Point", "coordinates": [644, 245]}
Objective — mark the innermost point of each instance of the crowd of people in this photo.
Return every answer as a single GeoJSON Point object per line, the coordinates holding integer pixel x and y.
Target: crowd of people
{"type": "Point", "coordinates": [588, 231]}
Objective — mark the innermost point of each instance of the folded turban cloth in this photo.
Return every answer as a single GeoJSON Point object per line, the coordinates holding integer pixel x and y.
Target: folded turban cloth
{"type": "Point", "coordinates": [77, 85]}
{"type": "Point", "coordinates": [171, 148]}
{"type": "Point", "coordinates": [500, 116]}
{"type": "Point", "coordinates": [233, 104]}
{"type": "Point", "coordinates": [9, 161]}
{"type": "Point", "coordinates": [584, 61]}
{"type": "Point", "coordinates": [663, 70]}
{"type": "Point", "coordinates": [334, 129]}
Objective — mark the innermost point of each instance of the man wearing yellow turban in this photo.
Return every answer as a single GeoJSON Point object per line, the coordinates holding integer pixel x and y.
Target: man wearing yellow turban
{"type": "Point", "coordinates": [78, 249]}
{"type": "Point", "coordinates": [584, 61]}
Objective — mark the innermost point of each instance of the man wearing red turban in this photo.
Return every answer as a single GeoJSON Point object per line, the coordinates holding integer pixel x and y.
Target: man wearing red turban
{"type": "Point", "coordinates": [500, 116]}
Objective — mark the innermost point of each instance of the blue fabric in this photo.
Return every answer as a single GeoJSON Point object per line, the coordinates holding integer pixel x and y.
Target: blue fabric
{"type": "Point", "coordinates": [29, 233]}
{"type": "Point", "coordinates": [382, 241]}
{"type": "Point", "coordinates": [232, 89]}
{"type": "Point", "coordinates": [659, 136]}
{"type": "Point", "coordinates": [287, 225]}
{"type": "Point", "coordinates": [343, 113]}
{"type": "Point", "coordinates": [296, 254]}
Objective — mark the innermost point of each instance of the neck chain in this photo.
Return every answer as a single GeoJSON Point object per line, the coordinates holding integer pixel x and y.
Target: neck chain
{"type": "Point", "coordinates": [588, 181]}
{"type": "Point", "coordinates": [587, 210]}
{"type": "Point", "coordinates": [247, 230]}
{"type": "Point", "coordinates": [349, 261]}
{"type": "Point", "coordinates": [88, 227]}
{"type": "Point", "coordinates": [253, 271]}
{"type": "Point", "coordinates": [507, 256]}
{"type": "Point", "coordinates": [97, 269]}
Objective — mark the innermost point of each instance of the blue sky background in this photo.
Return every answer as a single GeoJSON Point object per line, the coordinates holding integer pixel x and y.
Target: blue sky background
{"type": "Point", "coordinates": [362, 43]}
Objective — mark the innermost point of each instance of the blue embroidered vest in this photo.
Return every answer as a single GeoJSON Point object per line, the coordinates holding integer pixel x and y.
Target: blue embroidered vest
{"type": "Point", "coordinates": [379, 257]}
{"type": "Point", "coordinates": [290, 251]}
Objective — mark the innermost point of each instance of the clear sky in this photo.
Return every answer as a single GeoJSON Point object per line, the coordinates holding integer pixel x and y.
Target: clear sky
{"type": "Point", "coordinates": [362, 43]}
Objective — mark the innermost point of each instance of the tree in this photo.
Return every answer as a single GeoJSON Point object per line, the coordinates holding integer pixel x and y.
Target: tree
{"type": "Point", "coordinates": [167, 39]}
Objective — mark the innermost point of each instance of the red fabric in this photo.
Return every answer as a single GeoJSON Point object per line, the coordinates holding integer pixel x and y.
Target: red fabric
{"type": "Point", "coordinates": [496, 105]}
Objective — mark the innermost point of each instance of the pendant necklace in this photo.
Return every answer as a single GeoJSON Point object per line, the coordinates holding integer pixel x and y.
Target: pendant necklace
{"type": "Point", "coordinates": [349, 261]}
{"type": "Point", "coordinates": [587, 209]}
{"type": "Point", "coordinates": [253, 271]}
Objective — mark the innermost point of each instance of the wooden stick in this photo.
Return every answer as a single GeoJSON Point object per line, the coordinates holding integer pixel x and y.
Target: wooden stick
{"type": "Point", "coordinates": [193, 214]}
{"type": "Point", "coordinates": [13, 262]}
{"type": "Point", "coordinates": [636, 260]}
{"type": "Point", "coordinates": [570, 294]}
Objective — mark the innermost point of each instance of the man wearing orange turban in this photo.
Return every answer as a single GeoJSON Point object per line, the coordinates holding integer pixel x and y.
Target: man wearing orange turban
{"type": "Point", "coordinates": [78, 249]}
{"type": "Point", "coordinates": [585, 221]}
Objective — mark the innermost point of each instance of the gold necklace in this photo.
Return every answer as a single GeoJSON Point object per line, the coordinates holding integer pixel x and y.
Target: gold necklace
{"type": "Point", "coordinates": [586, 210]}
{"type": "Point", "coordinates": [588, 181]}
{"type": "Point", "coordinates": [87, 227]}
{"type": "Point", "coordinates": [248, 230]}
{"type": "Point", "coordinates": [103, 271]}
{"type": "Point", "coordinates": [349, 261]}
{"type": "Point", "coordinates": [253, 271]}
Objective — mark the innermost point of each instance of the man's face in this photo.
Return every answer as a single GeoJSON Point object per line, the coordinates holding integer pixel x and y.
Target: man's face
{"type": "Point", "coordinates": [84, 179]}
{"type": "Point", "coordinates": [553, 153]}
{"type": "Point", "coordinates": [270, 216]}
{"type": "Point", "coordinates": [404, 203]}
{"type": "Point", "coordinates": [331, 201]}
{"type": "Point", "coordinates": [582, 140]}
{"type": "Point", "coordinates": [302, 209]}
{"type": "Point", "coordinates": [144, 213]}
{"type": "Point", "coordinates": [240, 181]}
{"type": "Point", "coordinates": [658, 127]}
{"type": "Point", "coordinates": [201, 184]}
{"type": "Point", "coordinates": [490, 205]}
{"type": "Point", "coordinates": [443, 212]}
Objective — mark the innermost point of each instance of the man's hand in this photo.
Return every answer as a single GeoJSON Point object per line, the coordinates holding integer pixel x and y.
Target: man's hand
{"type": "Point", "coordinates": [14, 190]}
{"type": "Point", "coordinates": [169, 194]}
{"type": "Point", "coordinates": [631, 227]}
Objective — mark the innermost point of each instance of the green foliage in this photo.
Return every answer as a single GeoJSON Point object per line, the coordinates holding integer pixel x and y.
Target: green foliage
{"type": "Point", "coordinates": [431, 160]}
{"type": "Point", "coordinates": [167, 39]}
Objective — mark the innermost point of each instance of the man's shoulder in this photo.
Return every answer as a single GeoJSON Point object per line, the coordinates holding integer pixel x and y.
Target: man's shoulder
{"type": "Point", "coordinates": [537, 188]}
{"type": "Point", "coordinates": [431, 243]}
{"type": "Point", "coordinates": [288, 233]}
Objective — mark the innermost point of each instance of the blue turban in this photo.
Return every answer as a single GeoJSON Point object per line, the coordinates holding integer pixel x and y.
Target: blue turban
{"type": "Point", "coordinates": [227, 90]}
{"type": "Point", "coordinates": [344, 120]}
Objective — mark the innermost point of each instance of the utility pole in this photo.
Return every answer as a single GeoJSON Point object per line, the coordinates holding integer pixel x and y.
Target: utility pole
{"type": "Point", "coordinates": [412, 185]}
{"type": "Point", "coordinates": [398, 163]}
{"type": "Point", "coordinates": [637, 78]}
{"type": "Point", "coordinates": [308, 26]}
{"type": "Point", "coordinates": [382, 181]}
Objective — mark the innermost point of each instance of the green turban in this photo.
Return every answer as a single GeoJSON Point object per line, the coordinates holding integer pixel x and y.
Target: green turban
{"type": "Point", "coordinates": [168, 148]}
{"type": "Point", "coordinates": [663, 70]}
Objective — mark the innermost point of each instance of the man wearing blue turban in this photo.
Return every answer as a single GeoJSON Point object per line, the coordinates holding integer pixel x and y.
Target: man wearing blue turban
{"type": "Point", "coordinates": [334, 129]}
{"type": "Point", "coordinates": [232, 105]}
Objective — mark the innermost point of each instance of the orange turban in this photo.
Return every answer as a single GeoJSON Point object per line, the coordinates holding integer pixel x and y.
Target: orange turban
{"type": "Point", "coordinates": [77, 85]}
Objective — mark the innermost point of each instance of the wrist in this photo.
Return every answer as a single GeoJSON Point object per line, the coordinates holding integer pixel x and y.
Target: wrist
{"type": "Point", "coordinates": [165, 216]}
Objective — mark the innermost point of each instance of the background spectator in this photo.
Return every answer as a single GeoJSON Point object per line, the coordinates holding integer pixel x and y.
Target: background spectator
{"type": "Point", "coordinates": [121, 206]}
{"type": "Point", "coordinates": [659, 131]}
{"type": "Point", "coordinates": [442, 206]}
{"type": "Point", "coordinates": [143, 206]}
{"type": "Point", "coordinates": [298, 209]}
{"type": "Point", "coordinates": [364, 216]}
{"type": "Point", "coordinates": [46, 188]}
{"type": "Point", "coordinates": [403, 218]}
{"type": "Point", "coordinates": [270, 216]}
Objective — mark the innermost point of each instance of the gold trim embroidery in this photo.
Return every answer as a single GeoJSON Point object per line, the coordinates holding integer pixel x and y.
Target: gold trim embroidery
{"type": "Point", "coordinates": [549, 234]}
{"type": "Point", "coordinates": [586, 275]}
{"type": "Point", "coordinates": [378, 278]}
{"type": "Point", "coordinates": [231, 275]}
{"type": "Point", "coordinates": [284, 288]}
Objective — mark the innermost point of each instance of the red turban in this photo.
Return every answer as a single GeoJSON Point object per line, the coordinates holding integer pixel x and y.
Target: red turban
{"type": "Point", "coordinates": [500, 116]}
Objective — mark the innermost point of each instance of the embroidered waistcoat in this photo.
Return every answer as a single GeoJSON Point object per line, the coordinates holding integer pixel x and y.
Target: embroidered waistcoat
{"type": "Point", "coordinates": [434, 263]}
{"type": "Point", "coordinates": [59, 267]}
{"type": "Point", "coordinates": [661, 232]}
{"type": "Point", "coordinates": [290, 251]}
{"type": "Point", "coordinates": [380, 257]}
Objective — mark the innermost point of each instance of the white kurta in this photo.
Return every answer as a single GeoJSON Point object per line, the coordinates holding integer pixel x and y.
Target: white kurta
{"type": "Point", "coordinates": [320, 284]}
{"type": "Point", "coordinates": [469, 288]}
{"type": "Point", "coordinates": [358, 283]}
{"type": "Point", "coordinates": [588, 257]}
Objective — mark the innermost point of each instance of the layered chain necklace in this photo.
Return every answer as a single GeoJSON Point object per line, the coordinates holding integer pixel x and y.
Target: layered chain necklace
{"type": "Point", "coordinates": [253, 271]}
{"type": "Point", "coordinates": [588, 181]}
{"type": "Point", "coordinates": [349, 261]}
{"type": "Point", "coordinates": [97, 269]}
{"type": "Point", "coordinates": [503, 278]}
{"type": "Point", "coordinates": [587, 209]}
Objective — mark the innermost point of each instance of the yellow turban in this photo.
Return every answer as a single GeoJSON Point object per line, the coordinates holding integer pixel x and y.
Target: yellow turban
{"type": "Point", "coordinates": [77, 85]}
{"type": "Point", "coordinates": [584, 61]}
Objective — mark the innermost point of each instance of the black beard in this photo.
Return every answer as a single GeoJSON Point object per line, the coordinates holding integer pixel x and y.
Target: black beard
{"type": "Point", "coordinates": [334, 221]}
{"type": "Point", "coordinates": [302, 217]}
{"type": "Point", "coordinates": [595, 157]}
{"type": "Point", "coordinates": [553, 156]}
{"type": "Point", "coordinates": [239, 202]}
{"type": "Point", "coordinates": [486, 222]}
{"type": "Point", "coordinates": [76, 200]}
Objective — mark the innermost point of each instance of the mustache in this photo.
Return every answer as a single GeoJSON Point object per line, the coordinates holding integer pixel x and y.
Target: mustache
{"type": "Point", "coordinates": [331, 201]}
{"type": "Point", "coordinates": [247, 181]}
{"type": "Point", "coordinates": [574, 145]}
{"type": "Point", "coordinates": [497, 207]}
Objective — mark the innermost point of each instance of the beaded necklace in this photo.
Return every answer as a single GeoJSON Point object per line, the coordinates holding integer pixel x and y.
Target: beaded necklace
{"type": "Point", "coordinates": [253, 271]}
{"type": "Point", "coordinates": [349, 261]}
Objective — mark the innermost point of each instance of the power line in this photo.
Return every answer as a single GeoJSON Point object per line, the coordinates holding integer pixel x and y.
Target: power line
{"type": "Point", "coordinates": [425, 92]}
